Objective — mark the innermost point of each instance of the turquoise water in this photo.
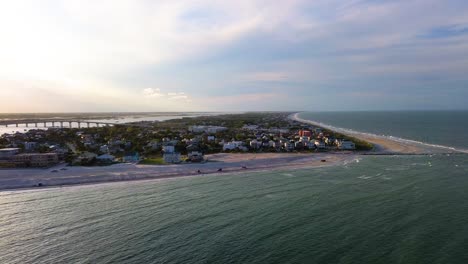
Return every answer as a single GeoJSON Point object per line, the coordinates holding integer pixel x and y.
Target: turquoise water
{"type": "Point", "coordinates": [375, 209]}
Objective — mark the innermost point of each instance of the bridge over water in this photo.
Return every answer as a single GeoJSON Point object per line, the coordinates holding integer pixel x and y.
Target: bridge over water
{"type": "Point", "coordinates": [62, 123]}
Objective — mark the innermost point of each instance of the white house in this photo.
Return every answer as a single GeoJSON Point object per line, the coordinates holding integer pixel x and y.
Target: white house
{"type": "Point", "coordinates": [329, 140]}
{"type": "Point", "coordinates": [319, 144]}
{"type": "Point", "coordinates": [255, 144]}
{"type": "Point", "coordinates": [346, 145]}
{"type": "Point", "coordinates": [232, 145]}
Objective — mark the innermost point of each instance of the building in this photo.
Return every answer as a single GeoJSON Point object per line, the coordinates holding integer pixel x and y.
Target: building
{"type": "Point", "coordinates": [299, 145]}
{"type": "Point", "coordinates": [232, 145]}
{"type": "Point", "coordinates": [171, 157]}
{"type": "Point", "coordinates": [305, 133]}
{"type": "Point", "coordinates": [7, 153]}
{"type": "Point", "coordinates": [255, 144]}
{"type": "Point", "coordinates": [195, 156]}
{"type": "Point", "coordinates": [30, 145]}
{"type": "Point", "coordinates": [346, 145]}
{"type": "Point", "coordinates": [250, 127]}
{"type": "Point", "coordinates": [271, 144]}
{"type": "Point", "coordinates": [207, 129]}
{"type": "Point", "coordinates": [289, 146]}
{"type": "Point", "coordinates": [104, 149]}
{"type": "Point", "coordinates": [106, 159]}
{"type": "Point", "coordinates": [131, 157]}
{"type": "Point", "coordinates": [276, 144]}
{"type": "Point", "coordinates": [168, 148]}
{"type": "Point", "coordinates": [319, 144]}
{"type": "Point", "coordinates": [329, 140]}
{"type": "Point", "coordinates": [35, 159]}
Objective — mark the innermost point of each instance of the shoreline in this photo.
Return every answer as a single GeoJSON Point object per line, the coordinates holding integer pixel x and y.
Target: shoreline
{"type": "Point", "coordinates": [231, 163]}
{"type": "Point", "coordinates": [384, 145]}
{"type": "Point", "coordinates": [28, 179]}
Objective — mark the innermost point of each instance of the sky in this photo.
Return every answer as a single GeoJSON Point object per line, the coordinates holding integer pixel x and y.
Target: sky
{"type": "Point", "coordinates": [242, 55]}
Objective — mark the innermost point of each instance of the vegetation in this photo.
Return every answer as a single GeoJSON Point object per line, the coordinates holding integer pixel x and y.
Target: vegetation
{"type": "Point", "coordinates": [153, 161]}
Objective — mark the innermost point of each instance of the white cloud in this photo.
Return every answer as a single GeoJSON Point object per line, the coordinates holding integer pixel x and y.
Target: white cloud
{"type": "Point", "coordinates": [151, 92]}
{"type": "Point", "coordinates": [157, 93]}
{"type": "Point", "coordinates": [88, 49]}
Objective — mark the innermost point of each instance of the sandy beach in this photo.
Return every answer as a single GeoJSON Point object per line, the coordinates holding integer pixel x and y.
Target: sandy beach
{"type": "Point", "coordinates": [382, 144]}
{"type": "Point", "coordinates": [230, 163]}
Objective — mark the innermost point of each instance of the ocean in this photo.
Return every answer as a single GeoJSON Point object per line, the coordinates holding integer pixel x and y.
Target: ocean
{"type": "Point", "coordinates": [375, 209]}
{"type": "Point", "coordinates": [443, 128]}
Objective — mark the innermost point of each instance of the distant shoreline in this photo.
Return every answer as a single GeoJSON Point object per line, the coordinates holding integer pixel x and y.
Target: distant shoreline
{"type": "Point", "coordinates": [382, 144]}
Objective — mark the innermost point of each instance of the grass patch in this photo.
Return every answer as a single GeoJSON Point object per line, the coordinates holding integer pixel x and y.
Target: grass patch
{"type": "Point", "coordinates": [153, 161]}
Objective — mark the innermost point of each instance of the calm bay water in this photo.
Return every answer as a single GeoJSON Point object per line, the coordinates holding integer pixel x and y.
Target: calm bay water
{"type": "Point", "coordinates": [387, 209]}
{"type": "Point", "coordinates": [117, 118]}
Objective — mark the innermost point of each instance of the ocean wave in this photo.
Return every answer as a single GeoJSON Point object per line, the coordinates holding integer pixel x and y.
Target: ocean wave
{"type": "Point", "coordinates": [389, 137]}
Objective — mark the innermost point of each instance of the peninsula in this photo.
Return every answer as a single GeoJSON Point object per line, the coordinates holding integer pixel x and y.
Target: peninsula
{"type": "Point", "coordinates": [179, 147]}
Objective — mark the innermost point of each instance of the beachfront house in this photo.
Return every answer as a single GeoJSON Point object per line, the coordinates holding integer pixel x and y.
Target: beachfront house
{"type": "Point", "coordinates": [346, 145]}
{"type": "Point", "coordinates": [195, 156]}
{"type": "Point", "coordinates": [319, 144]}
{"type": "Point", "coordinates": [232, 145]}
{"type": "Point", "coordinates": [105, 159]}
{"type": "Point", "coordinates": [255, 144]}
{"type": "Point", "coordinates": [289, 146]}
{"type": "Point", "coordinates": [35, 159]}
{"type": "Point", "coordinates": [172, 157]}
{"type": "Point", "coordinates": [131, 157]}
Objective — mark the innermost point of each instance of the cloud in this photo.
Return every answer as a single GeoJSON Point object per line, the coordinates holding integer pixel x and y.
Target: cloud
{"type": "Point", "coordinates": [151, 92]}
{"type": "Point", "coordinates": [179, 96]}
{"type": "Point", "coordinates": [99, 51]}
{"type": "Point", "coordinates": [175, 96]}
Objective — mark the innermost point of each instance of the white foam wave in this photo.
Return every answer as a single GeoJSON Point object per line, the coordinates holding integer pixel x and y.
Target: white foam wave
{"type": "Point", "coordinates": [393, 138]}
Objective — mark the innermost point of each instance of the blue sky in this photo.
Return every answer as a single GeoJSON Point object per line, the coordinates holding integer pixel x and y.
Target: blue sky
{"type": "Point", "coordinates": [207, 55]}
